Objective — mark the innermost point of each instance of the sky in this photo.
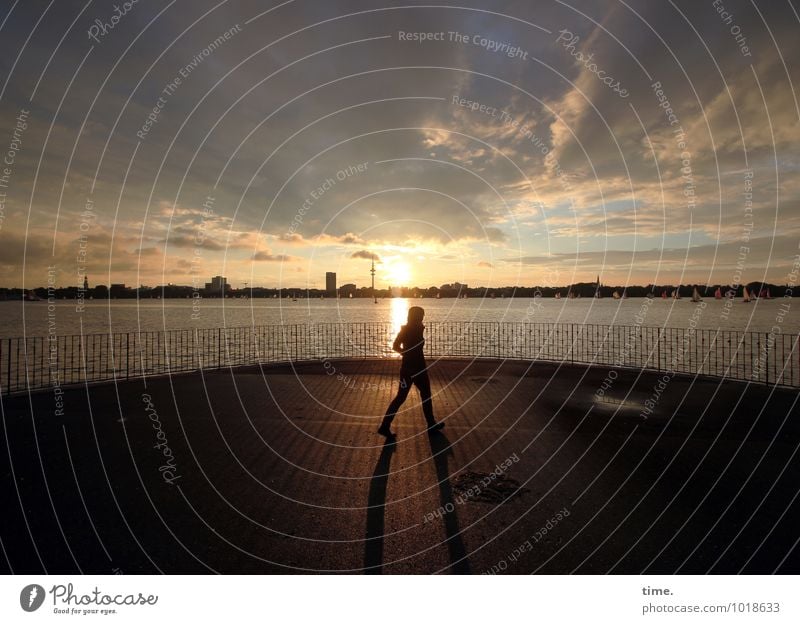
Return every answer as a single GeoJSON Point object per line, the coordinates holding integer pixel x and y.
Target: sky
{"type": "Point", "coordinates": [490, 143]}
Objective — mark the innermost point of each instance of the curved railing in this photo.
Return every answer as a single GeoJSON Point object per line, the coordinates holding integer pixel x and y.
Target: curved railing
{"type": "Point", "coordinates": [52, 361]}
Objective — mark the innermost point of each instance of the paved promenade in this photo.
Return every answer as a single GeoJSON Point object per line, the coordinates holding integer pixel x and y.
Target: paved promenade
{"type": "Point", "coordinates": [281, 471]}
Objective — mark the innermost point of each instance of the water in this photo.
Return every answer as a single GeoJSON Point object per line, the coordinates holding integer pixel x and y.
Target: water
{"type": "Point", "coordinates": [33, 318]}
{"type": "Point", "coordinates": [121, 339]}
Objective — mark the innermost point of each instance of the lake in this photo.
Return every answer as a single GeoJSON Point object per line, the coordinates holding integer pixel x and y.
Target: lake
{"type": "Point", "coordinates": [123, 315]}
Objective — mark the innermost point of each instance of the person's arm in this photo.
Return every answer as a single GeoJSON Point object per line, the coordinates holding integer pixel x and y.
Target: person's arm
{"type": "Point", "coordinates": [397, 346]}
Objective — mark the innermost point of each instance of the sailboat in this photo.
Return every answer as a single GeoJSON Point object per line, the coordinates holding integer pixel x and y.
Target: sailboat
{"type": "Point", "coordinates": [695, 295]}
{"type": "Point", "coordinates": [718, 293]}
{"type": "Point", "coordinates": [768, 295]}
{"type": "Point", "coordinates": [615, 295]}
{"type": "Point", "coordinates": [624, 293]}
{"type": "Point", "coordinates": [676, 294]}
{"type": "Point", "coordinates": [558, 295]}
{"type": "Point", "coordinates": [745, 295]}
{"type": "Point", "coordinates": [664, 294]}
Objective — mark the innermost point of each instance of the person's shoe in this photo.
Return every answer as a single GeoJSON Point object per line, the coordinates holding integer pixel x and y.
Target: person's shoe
{"type": "Point", "coordinates": [385, 431]}
{"type": "Point", "coordinates": [436, 427]}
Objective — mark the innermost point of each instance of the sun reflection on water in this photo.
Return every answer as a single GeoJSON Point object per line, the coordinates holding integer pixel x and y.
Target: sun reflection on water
{"type": "Point", "coordinates": [399, 317]}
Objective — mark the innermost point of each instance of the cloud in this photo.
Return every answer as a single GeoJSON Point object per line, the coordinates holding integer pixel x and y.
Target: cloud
{"type": "Point", "coordinates": [495, 235]}
{"type": "Point", "coordinates": [192, 242]}
{"type": "Point", "coordinates": [365, 255]}
{"type": "Point", "coordinates": [484, 264]}
{"type": "Point", "coordinates": [268, 256]}
{"type": "Point", "coordinates": [350, 239]}
{"type": "Point", "coordinates": [147, 251]}
{"type": "Point", "coordinates": [292, 238]}
{"type": "Point", "coordinates": [15, 247]}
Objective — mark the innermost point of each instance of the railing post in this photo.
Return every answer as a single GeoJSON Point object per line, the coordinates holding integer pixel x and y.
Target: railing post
{"type": "Point", "coordinates": [658, 350]}
{"type": "Point", "coordinates": [766, 359]}
{"type": "Point", "coordinates": [8, 385]}
{"type": "Point", "coordinates": [754, 365]}
{"type": "Point", "coordinates": [219, 347]}
{"type": "Point", "coordinates": [572, 343]}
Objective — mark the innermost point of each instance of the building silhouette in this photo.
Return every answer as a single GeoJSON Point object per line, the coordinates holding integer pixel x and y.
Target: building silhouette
{"type": "Point", "coordinates": [330, 284]}
{"type": "Point", "coordinates": [118, 290]}
{"type": "Point", "coordinates": [348, 290]}
{"type": "Point", "coordinates": [218, 286]}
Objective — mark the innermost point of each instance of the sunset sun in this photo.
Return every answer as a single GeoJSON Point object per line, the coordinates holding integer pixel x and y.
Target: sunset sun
{"type": "Point", "coordinates": [399, 273]}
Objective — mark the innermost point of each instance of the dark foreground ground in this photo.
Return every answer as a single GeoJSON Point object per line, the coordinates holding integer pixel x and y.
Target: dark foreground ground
{"type": "Point", "coordinates": [280, 471]}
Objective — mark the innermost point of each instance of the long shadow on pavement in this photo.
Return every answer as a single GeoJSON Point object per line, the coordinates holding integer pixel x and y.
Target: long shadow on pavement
{"type": "Point", "coordinates": [376, 502]}
{"type": "Point", "coordinates": [441, 449]}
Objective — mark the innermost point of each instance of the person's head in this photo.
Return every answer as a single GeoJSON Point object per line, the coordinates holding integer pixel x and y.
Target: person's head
{"type": "Point", "coordinates": [415, 315]}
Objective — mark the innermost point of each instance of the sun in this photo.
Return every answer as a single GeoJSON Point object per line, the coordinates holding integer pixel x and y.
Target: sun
{"type": "Point", "coordinates": [399, 274]}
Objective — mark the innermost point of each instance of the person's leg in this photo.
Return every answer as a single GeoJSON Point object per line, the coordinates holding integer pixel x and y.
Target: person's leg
{"type": "Point", "coordinates": [399, 399]}
{"type": "Point", "coordinates": [423, 382]}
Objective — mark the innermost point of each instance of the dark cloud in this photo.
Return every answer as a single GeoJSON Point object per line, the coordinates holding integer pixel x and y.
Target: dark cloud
{"type": "Point", "coordinates": [365, 255]}
{"type": "Point", "coordinates": [350, 239]}
{"type": "Point", "coordinates": [191, 242]}
{"type": "Point", "coordinates": [267, 256]}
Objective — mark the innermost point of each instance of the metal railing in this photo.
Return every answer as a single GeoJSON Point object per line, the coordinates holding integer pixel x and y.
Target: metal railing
{"type": "Point", "coordinates": [51, 361]}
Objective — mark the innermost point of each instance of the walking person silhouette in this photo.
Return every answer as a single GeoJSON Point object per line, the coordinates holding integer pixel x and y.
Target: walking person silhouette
{"type": "Point", "coordinates": [410, 342]}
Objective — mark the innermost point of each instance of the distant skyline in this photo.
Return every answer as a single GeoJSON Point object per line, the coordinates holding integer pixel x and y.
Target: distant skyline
{"type": "Point", "coordinates": [512, 143]}
{"type": "Point", "coordinates": [360, 286]}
